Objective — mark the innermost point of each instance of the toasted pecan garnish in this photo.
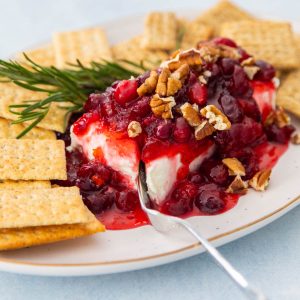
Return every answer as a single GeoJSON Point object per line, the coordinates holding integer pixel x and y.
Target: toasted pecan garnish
{"type": "Point", "coordinates": [134, 129]}
{"type": "Point", "coordinates": [281, 118]}
{"type": "Point", "coordinates": [181, 72]}
{"type": "Point", "coordinates": [161, 87]}
{"type": "Point", "coordinates": [260, 180]}
{"type": "Point", "coordinates": [162, 107]}
{"type": "Point", "coordinates": [149, 85]}
{"type": "Point", "coordinates": [190, 114]}
{"type": "Point", "coordinates": [295, 139]}
{"type": "Point", "coordinates": [237, 186]}
{"type": "Point", "coordinates": [215, 117]}
{"type": "Point", "coordinates": [234, 166]}
{"type": "Point", "coordinates": [251, 71]}
{"type": "Point", "coordinates": [203, 130]}
{"type": "Point", "coordinates": [173, 86]}
{"type": "Point", "coordinates": [190, 57]}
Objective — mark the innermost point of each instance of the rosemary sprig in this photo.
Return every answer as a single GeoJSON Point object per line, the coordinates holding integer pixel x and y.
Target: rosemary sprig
{"type": "Point", "coordinates": [71, 85]}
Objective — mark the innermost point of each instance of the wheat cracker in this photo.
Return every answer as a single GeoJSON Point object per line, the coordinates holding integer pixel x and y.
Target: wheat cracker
{"type": "Point", "coordinates": [24, 184]}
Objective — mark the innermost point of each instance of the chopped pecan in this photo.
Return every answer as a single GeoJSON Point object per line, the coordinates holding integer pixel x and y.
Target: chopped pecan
{"type": "Point", "coordinates": [190, 114]}
{"type": "Point", "coordinates": [295, 139]}
{"type": "Point", "coordinates": [190, 57]}
{"type": "Point", "coordinates": [162, 107]}
{"type": "Point", "coordinates": [210, 53]}
{"type": "Point", "coordinates": [250, 61]}
{"type": "Point", "coordinates": [173, 86]}
{"type": "Point", "coordinates": [134, 129]}
{"type": "Point", "coordinates": [281, 118]}
{"type": "Point", "coordinates": [181, 72]}
{"type": "Point", "coordinates": [149, 85]}
{"type": "Point", "coordinates": [251, 71]}
{"type": "Point", "coordinates": [203, 130]}
{"type": "Point", "coordinates": [161, 87]}
{"type": "Point", "coordinates": [215, 117]}
{"type": "Point", "coordinates": [234, 166]}
{"type": "Point", "coordinates": [237, 186]}
{"type": "Point", "coordinates": [260, 180]}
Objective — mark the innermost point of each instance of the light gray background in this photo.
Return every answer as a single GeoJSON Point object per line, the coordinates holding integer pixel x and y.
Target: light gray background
{"type": "Point", "coordinates": [270, 257]}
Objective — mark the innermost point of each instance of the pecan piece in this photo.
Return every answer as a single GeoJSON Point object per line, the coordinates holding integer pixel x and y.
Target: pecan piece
{"type": "Point", "coordinates": [134, 129]}
{"type": "Point", "coordinates": [295, 139]}
{"type": "Point", "coordinates": [149, 85]}
{"type": "Point", "coordinates": [281, 118]}
{"type": "Point", "coordinates": [251, 71]}
{"type": "Point", "coordinates": [237, 186]}
{"type": "Point", "coordinates": [181, 72]}
{"type": "Point", "coordinates": [203, 130]}
{"type": "Point", "coordinates": [161, 87]}
{"type": "Point", "coordinates": [162, 107]}
{"type": "Point", "coordinates": [173, 86]}
{"type": "Point", "coordinates": [190, 114]}
{"type": "Point", "coordinates": [215, 117]}
{"type": "Point", "coordinates": [260, 180]}
{"type": "Point", "coordinates": [235, 167]}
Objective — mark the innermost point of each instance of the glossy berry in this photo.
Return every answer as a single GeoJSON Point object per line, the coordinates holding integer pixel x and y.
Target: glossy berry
{"type": "Point", "coordinates": [164, 130]}
{"type": "Point", "coordinates": [215, 171]}
{"type": "Point", "coordinates": [231, 108]}
{"type": "Point", "coordinates": [266, 72]}
{"type": "Point", "coordinates": [224, 41]}
{"type": "Point", "coordinates": [99, 201]}
{"type": "Point", "coordinates": [279, 135]}
{"type": "Point", "coordinates": [182, 131]}
{"type": "Point", "coordinates": [227, 65]}
{"type": "Point", "coordinates": [127, 201]}
{"type": "Point", "coordinates": [126, 91]}
{"type": "Point", "coordinates": [197, 93]}
{"type": "Point", "coordinates": [210, 201]}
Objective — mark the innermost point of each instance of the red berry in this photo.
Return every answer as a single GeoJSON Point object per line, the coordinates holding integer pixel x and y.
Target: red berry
{"type": "Point", "coordinates": [182, 131]}
{"type": "Point", "coordinates": [127, 201]}
{"type": "Point", "coordinates": [224, 41]}
{"type": "Point", "coordinates": [126, 91]}
{"type": "Point", "coordinates": [197, 93]}
{"type": "Point", "coordinates": [210, 201]}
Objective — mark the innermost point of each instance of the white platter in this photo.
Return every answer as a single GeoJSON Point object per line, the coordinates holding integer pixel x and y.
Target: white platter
{"type": "Point", "coordinates": [118, 251]}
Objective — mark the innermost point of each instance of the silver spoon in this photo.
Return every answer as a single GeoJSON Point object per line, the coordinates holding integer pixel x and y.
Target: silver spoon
{"type": "Point", "coordinates": [164, 223]}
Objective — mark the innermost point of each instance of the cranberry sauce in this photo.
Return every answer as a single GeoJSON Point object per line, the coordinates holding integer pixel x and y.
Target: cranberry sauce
{"type": "Point", "coordinates": [222, 82]}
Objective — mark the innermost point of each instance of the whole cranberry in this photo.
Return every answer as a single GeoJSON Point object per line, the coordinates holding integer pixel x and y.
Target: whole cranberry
{"type": "Point", "coordinates": [224, 41]}
{"type": "Point", "coordinates": [215, 171]}
{"type": "Point", "coordinates": [99, 201]}
{"type": "Point", "coordinates": [266, 72]}
{"type": "Point", "coordinates": [141, 107]}
{"type": "Point", "coordinates": [231, 108]}
{"type": "Point", "coordinates": [196, 178]}
{"type": "Point", "coordinates": [93, 101]}
{"type": "Point", "coordinates": [240, 81]}
{"type": "Point", "coordinates": [227, 65]}
{"type": "Point", "coordinates": [250, 108]}
{"type": "Point", "coordinates": [127, 200]}
{"type": "Point", "coordinates": [182, 131]}
{"type": "Point", "coordinates": [279, 135]}
{"type": "Point", "coordinates": [164, 130]}
{"type": "Point", "coordinates": [197, 93]}
{"type": "Point", "coordinates": [210, 201]}
{"type": "Point", "coordinates": [126, 91]}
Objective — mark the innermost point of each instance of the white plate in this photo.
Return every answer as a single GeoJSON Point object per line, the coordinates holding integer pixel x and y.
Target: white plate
{"type": "Point", "coordinates": [118, 251]}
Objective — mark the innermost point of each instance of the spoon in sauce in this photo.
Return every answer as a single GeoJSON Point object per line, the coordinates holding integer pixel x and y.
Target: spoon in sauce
{"type": "Point", "coordinates": [164, 223]}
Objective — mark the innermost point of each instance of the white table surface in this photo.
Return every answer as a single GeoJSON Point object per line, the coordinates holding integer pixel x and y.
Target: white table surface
{"type": "Point", "coordinates": [269, 257]}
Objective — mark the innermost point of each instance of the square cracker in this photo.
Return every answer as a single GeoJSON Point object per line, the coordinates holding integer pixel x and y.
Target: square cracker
{"type": "Point", "coordinates": [42, 207]}
{"type": "Point", "coordinates": [32, 159]}
{"type": "Point", "coordinates": [160, 31]}
{"type": "Point", "coordinates": [131, 50]}
{"type": "Point", "coordinates": [193, 32]}
{"type": "Point", "coordinates": [33, 236]}
{"type": "Point", "coordinates": [222, 12]}
{"type": "Point", "coordinates": [11, 94]}
{"type": "Point", "coordinates": [11, 131]}
{"type": "Point", "coordinates": [87, 45]}
{"type": "Point", "coordinates": [288, 95]}
{"type": "Point", "coordinates": [271, 41]}
{"type": "Point", "coordinates": [43, 56]}
{"type": "Point", "coordinates": [24, 184]}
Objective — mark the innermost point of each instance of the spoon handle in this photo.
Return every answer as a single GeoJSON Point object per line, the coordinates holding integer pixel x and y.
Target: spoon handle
{"type": "Point", "coordinates": [250, 291]}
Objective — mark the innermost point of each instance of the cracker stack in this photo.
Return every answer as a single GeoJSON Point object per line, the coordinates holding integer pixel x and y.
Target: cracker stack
{"type": "Point", "coordinates": [31, 212]}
